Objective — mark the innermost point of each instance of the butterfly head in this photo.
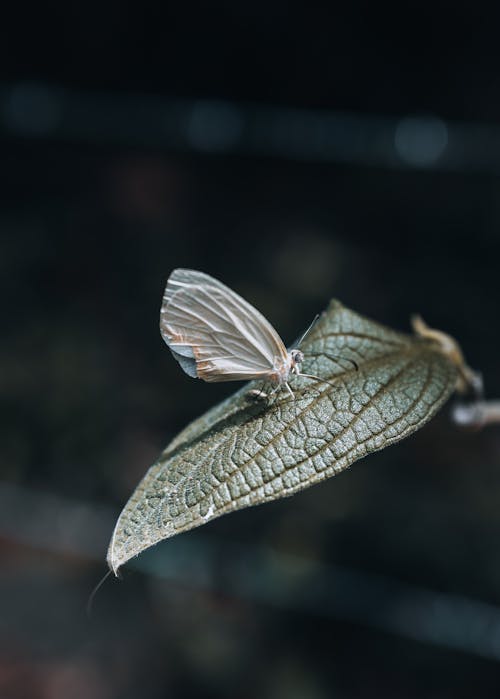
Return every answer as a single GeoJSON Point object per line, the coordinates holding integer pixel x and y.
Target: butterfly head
{"type": "Point", "coordinates": [296, 358]}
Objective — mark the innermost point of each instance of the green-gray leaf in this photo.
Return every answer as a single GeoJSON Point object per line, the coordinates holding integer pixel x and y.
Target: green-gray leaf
{"type": "Point", "coordinates": [243, 453]}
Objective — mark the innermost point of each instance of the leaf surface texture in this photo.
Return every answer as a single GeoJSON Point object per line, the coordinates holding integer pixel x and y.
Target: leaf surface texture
{"type": "Point", "coordinates": [243, 452]}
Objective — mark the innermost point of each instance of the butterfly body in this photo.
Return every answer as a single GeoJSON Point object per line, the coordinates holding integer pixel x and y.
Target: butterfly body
{"type": "Point", "coordinates": [284, 369]}
{"type": "Point", "coordinates": [216, 335]}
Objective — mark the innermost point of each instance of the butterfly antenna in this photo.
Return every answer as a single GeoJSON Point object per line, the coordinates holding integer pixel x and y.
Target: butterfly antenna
{"type": "Point", "coordinates": [308, 329]}
{"type": "Point", "coordinates": [90, 601]}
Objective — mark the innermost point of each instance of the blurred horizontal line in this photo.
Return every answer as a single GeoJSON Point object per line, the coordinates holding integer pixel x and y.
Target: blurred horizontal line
{"type": "Point", "coordinates": [38, 111]}
{"type": "Point", "coordinates": [259, 574]}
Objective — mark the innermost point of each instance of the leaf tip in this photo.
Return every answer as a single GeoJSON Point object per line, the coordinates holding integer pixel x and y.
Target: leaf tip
{"type": "Point", "coordinates": [113, 559]}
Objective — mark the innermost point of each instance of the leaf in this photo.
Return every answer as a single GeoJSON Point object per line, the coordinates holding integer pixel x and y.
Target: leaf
{"type": "Point", "coordinates": [242, 453]}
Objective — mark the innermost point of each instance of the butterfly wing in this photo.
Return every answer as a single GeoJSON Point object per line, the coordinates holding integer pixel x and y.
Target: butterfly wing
{"type": "Point", "coordinates": [213, 333]}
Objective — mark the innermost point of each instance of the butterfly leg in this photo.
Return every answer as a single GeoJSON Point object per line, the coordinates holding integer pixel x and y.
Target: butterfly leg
{"type": "Point", "coordinates": [256, 395]}
{"type": "Point", "coordinates": [289, 390]}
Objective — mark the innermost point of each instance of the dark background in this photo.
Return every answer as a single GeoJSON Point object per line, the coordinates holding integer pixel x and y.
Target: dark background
{"type": "Point", "coordinates": [297, 152]}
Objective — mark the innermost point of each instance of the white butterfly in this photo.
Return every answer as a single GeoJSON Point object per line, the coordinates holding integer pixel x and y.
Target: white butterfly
{"type": "Point", "coordinates": [215, 335]}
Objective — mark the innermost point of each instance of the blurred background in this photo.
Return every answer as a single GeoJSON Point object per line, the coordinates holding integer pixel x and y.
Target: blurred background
{"type": "Point", "coordinates": [297, 153]}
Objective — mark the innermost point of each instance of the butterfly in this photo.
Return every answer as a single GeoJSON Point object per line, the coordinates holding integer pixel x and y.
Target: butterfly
{"type": "Point", "coordinates": [216, 335]}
